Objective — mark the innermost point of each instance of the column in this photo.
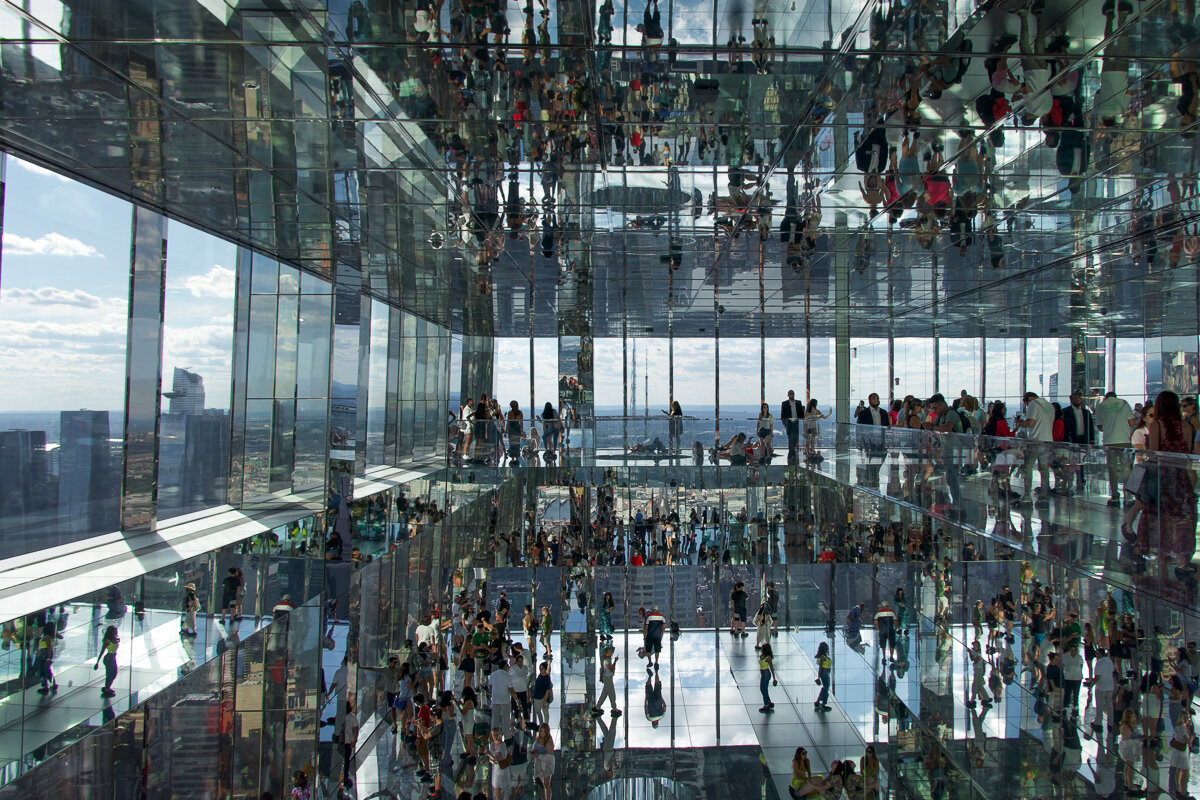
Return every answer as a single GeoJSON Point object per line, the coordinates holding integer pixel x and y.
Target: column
{"type": "Point", "coordinates": [841, 290]}
{"type": "Point", "coordinates": [143, 368]}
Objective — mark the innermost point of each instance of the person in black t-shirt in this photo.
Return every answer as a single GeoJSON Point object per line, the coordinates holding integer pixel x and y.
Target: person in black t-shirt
{"type": "Point", "coordinates": [737, 602]}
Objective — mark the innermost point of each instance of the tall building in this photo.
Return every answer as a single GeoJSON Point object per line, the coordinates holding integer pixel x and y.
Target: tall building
{"type": "Point", "coordinates": [27, 495]}
{"type": "Point", "coordinates": [89, 476]}
{"type": "Point", "coordinates": [187, 393]}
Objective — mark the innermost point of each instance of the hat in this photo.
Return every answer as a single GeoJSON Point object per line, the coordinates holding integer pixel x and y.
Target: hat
{"type": "Point", "coordinates": [191, 587]}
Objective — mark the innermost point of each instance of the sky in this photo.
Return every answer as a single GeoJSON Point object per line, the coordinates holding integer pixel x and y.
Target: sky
{"type": "Point", "coordinates": [64, 288]}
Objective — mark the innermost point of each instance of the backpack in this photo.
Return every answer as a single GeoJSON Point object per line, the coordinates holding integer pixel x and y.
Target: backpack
{"type": "Point", "coordinates": [966, 420]}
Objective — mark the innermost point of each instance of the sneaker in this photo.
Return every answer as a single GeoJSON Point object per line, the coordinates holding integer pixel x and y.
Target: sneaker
{"type": "Point", "coordinates": [827, 708]}
{"type": "Point", "coordinates": [597, 712]}
{"type": "Point", "coordinates": [765, 709]}
{"type": "Point", "coordinates": [1114, 502]}
{"type": "Point", "coordinates": [616, 712]}
{"type": "Point", "coordinates": [43, 690]}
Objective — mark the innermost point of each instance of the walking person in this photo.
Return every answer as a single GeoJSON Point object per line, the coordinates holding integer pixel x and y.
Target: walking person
{"type": "Point", "coordinates": [605, 624]}
{"type": "Point", "coordinates": [44, 659]}
{"type": "Point", "coordinates": [108, 654]}
{"type": "Point", "coordinates": [543, 758]}
{"type": "Point", "coordinates": [608, 670]}
{"type": "Point", "coordinates": [978, 677]}
{"type": "Point", "coordinates": [766, 672]}
{"type": "Point", "coordinates": [1072, 667]}
{"type": "Point", "coordinates": [763, 622]}
{"type": "Point", "coordinates": [347, 734]}
{"type": "Point", "coordinates": [543, 694]}
{"type": "Point", "coordinates": [652, 634]}
{"type": "Point", "coordinates": [824, 672]}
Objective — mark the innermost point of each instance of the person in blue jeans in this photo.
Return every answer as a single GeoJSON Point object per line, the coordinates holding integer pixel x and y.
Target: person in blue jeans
{"type": "Point", "coordinates": [824, 668]}
{"type": "Point", "coordinates": [766, 673]}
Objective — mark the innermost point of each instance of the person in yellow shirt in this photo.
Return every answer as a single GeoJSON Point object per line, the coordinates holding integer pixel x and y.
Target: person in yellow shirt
{"type": "Point", "coordinates": [108, 654]}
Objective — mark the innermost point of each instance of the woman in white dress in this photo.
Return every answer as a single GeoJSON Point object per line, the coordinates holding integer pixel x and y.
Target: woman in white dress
{"type": "Point", "coordinates": [543, 758]}
{"type": "Point", "coordinates": [501, 761]}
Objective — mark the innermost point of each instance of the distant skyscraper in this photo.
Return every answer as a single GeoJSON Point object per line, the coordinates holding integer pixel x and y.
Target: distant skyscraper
{"type": "Point", "coordinates": [187, 393]}
{"type": "Point", "coordinates": [27, 494]}
{"type": "Point", "coordinates": [89, 481]}
{"type": "Point", "coordinates": [193, 461]}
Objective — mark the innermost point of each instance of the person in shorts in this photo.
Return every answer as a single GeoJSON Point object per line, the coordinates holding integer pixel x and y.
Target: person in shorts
{"type": "Point", "coordinates": [885, 630]}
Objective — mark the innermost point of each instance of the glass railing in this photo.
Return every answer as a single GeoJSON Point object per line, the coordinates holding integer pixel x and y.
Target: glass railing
{"type": "Point", "coordinates": [1113, 511]}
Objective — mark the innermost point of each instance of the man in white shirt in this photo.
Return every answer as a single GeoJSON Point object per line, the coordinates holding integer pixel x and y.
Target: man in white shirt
{"type": "Point", "coordinates": [503, 697]}
{"type": "Point", "coordinates": [1102, 690]}
{"type": "Point", "coordinates": [1072, 667]}
{"type": "Point", "coordinates": [1039, 427]}
{"type": "Point", "coordinates": [347, 733]}
{"type": "Point", "coordinates": [1112, 417]}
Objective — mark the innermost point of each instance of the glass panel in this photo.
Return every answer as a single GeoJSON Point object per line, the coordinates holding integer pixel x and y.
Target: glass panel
{"type": "Point", "coordinates": [193, 447]}
{"type": "Point", "coordinates": [64, 314]}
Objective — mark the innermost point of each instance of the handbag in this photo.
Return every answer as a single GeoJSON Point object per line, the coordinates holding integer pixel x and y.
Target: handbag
{"type": "Point", "coordinates": [1178, 745]}
{"type": "Point", "coordinates": [1137, 476]}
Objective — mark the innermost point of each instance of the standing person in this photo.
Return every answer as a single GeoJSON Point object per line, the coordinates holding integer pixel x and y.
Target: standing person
{"type": "Point", "coordinates": [608, 670]}
{"type": "Point", "coordinates": [812, 428]}
{"type": "Point", "coordinates": [543, 758]}
{"type": "Point", "coordinates": [766, 672]}
{"type": "Point", "coordinates": [1072, 668]}
{"type": "Point", "coordinates": [1039, 427]}
{"type": "Point", "coordinates": [1179, 758]}
{"type": "Point", "coordinates": [547, 629]}
{"type": "Point", "coordinates": [530, 624]}
{"type": "Point", "coordinates": [874, 443]}
{"type": "Point", "coordinates": [1103, 683]}
{"type": "Point", "coordinates": [772, 605]}
{"type": "Point", "coordinates": [240, 596]}
{"type": "Point", "coordinates": [44, 660]}
{"type": "Point", "coordinates": [737, 608]}
{"type": "Point", "coordinates": [501, 760]}
{"type": "Point", "coordinates": [763, 621]}
{"type": "Point", "coordinates": [765, 426]}
{"type": "Point", "coordinates": [824, 671]}
{"type": "Point", "coordinates": [901, 610]}
{"type": "Point", "coordinates": [1169, 500]}
{"type": "Point", "coordinates": [347, 733]}
{"type": "Point", "coordinates": [1078, 429]}
{"type": "Point", "coordinates": [520, 675]}
{"type": "Point", "coordinates": [189, 607]}
{"type": "Point", "coordinates": [503, 697]}
{"type": "Point", "coordinates": [675, 426]}
{"type": "Point", "coordinates": [791, 412]}
{"type": "Point", "coordinates": [1112, 417]}
{"type": "Point", "coordinates": [229, 590]}
{"type": "Point", "coordinates": [543, 694]}
{"type": "Point", "coordinates": [652, 632]}
{"type": "Point", "coordinates": [551, 429]}
{"type": "Point", "coordinates": [108, 654]}
{"type": "Point", "coordinates": [885, 630]}
{"type": "Point", "coordinates": [515, 432]}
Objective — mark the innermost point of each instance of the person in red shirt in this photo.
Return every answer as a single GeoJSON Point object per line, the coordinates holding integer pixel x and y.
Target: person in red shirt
{"type": "Point", "coordinates": [1002, 458]}
{"type": "Point", "coordinates": [637, 559]}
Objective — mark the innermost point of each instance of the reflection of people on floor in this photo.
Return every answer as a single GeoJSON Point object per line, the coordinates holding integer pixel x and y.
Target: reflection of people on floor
{"type": "Point", "coordinates": [655, 705]}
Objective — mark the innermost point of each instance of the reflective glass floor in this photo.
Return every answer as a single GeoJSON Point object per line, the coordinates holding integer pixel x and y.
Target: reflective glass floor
{"type": "Point", "coordinates": [710, 684]}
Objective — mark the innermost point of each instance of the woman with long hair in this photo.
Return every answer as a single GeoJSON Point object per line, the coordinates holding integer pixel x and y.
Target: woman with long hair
{"type": "Point", "coordinates": [108, 654]}
{"type": "Point", "coordinates": [550, 427]}
{"type": "Point", "coordinates": [765, 426]}
{"type": "Point", "coordinates": [824, 671]}
{"type": "Point", "coordinates": [812, 427]}
{"type": "Point", "coordinates": [1167, 496]}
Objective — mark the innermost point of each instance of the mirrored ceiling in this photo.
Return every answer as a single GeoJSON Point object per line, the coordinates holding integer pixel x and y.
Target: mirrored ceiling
{"type": "Point", "coordinates": [1006, 169]}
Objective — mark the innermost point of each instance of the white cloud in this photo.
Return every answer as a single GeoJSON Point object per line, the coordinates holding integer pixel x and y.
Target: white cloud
{"type": "Point", "coordinates": [36, 170]}
{"type": "Point", "coordinates": [49, 295]}
{"type": "Point", "coordinates": [217, 282]}
{"type": "Point", "coordinates": [50, 244]}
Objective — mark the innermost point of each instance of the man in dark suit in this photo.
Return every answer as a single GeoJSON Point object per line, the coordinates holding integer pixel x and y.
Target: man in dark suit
{"type": "Point", "coordinates": [790, 413]}
{"type": "Point", "coordinates": [1078, 428]}
{"type": "Point", "coordinates": [874, 443]}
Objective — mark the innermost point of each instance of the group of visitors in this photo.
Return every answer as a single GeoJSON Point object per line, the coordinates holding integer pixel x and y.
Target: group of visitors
{"type": "Point", "coordinates": [481, 433]}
